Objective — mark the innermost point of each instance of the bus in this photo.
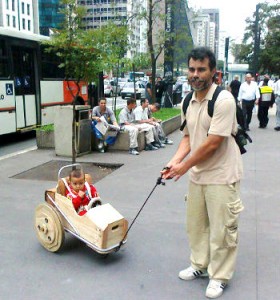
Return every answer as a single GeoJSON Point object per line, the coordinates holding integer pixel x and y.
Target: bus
{"type": "Point", "coordinates": [138, 76]}
{"type": "Point", "coordinates": [31, 84]}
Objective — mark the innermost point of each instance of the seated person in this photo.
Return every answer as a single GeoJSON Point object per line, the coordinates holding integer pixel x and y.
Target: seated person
{"type": "Point", "coordinates": [79, 191]}
{"type": "Point", "coordinates": [141, 117]}
{"type": "Point", "coordinates": [103, 111]}
{"type": "Point", "coordinates": [159, 134]}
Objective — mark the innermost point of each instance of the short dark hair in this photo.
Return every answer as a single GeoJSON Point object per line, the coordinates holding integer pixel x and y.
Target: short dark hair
{"type": "Point", "coordinates": [102, 98]}
{"type": "Point", "coordinates": [143, 100]}
{"type": "Point", "coordinates": [265, 81]}
{"type": "Point", "coordinates": [77, 173]}
{"type": "Point", "coordinates": [130, 100]}
{"type": "Point", "coordinates": [200, 53]}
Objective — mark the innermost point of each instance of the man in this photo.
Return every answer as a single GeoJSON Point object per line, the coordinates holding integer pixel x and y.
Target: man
{"type": "Point", "coordinates": [234, 87]}
{"type": "Point", "coordinates": [103, 111]}
{"type": "Point", "coordinates": [249, 94]}
{"type": "Point", "coordinates": [159, 90]}
{"type": "Point", "coordinates": [142, 122]}
{"type": "Point", "coordinates": [148, 90]}
{"type": "Point", "coordinates": [210, 152]}
{"type": "Point", "coordinates": [159, 132]}
{"type": "Point", "coordinates": [186, 88]}
{"type": "Point", "coordinates": [277, 101]}
{"type": "Point", "coordinates": [126, 121]}
{"type": "Point", "coordinates": [267, 100]}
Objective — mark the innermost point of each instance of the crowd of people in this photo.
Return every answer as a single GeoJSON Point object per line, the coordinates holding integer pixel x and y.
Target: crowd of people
{"type": "Point", "coordinates": [132, 119]}
{"type": "Point", "coordinates": [250, 94]}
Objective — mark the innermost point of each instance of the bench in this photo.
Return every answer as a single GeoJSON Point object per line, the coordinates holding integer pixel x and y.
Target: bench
{"type": "Point", "coordinates": [122, 142]}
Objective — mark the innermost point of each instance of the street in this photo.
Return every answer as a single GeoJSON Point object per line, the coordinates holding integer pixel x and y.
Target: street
{"type": "Point", "coordinates": [147, 267]}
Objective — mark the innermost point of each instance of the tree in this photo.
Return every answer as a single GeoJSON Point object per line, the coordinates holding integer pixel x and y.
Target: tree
{"type": "Point", "coordinates": [84, 53]}
{"type": "Point", "coordinates": [263, 27]}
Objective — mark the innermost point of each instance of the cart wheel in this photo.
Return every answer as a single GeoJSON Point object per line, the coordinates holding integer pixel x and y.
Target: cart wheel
{"type": "Point", "coordinates": [49, 229]}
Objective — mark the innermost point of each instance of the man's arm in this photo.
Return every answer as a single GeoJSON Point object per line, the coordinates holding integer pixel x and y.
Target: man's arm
{"type": "Point", "coordinates": [178, 167]}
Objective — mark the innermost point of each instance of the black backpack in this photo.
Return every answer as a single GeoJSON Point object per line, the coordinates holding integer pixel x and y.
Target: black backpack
{"type": "Point", "coordinates": [241, 136]}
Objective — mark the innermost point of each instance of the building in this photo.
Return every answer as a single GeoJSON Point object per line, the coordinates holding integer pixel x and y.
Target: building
{"type": "Point", "coordinates": [19, 15]}
{"type": "Point", "coordinates": [49, 17]}
{"type": "Point", "coordinates": [214, 15]}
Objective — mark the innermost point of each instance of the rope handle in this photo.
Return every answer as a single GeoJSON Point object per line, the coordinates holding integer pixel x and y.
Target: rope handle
{"type": "Point", "coordinates": [158, 182]}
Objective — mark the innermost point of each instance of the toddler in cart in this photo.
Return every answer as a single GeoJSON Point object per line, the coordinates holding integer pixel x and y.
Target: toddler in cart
{"type": "Point", "coordinates": [80, 192]}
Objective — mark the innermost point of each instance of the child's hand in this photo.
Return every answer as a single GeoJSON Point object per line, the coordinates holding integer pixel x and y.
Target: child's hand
{"type": "Point", "coordinates": [81, 194]}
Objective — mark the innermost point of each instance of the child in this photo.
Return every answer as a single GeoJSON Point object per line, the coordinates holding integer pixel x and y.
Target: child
{"type": "Point", "coordinates": [79, 191]}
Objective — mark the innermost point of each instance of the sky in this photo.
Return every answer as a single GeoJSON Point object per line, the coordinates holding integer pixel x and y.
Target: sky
{"type": "Point", "coordinates": [232, 14]}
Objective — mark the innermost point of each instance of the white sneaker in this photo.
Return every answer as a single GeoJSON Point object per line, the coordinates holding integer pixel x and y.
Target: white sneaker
{"type": "Point", "coordinates": [190, 273]}
{"type": "Point", "coordinates": [215, 289]}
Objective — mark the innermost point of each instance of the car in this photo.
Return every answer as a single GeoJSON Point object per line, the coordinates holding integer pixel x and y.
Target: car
{"type": "Point", "coordinates": [108, 89]}
{"type": "Point", "coordinates": [102, 227]}
{"type": "Point", "coordinates": [128, 90]}
{"type": "Point", "coordinates": [116, 88]}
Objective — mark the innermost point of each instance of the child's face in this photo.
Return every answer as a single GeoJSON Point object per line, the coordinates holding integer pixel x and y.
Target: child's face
{"type": "Point", "coordinates": [77, 183]}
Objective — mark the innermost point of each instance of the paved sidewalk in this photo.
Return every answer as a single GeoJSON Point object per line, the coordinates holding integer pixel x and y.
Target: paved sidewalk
{"type": "Point", "coordinates": [147, 267]}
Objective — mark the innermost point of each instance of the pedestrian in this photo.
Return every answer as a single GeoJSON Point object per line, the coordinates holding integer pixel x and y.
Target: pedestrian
{"type": "Point", "coordinates": [186, 88]}
{"type": "Point", "coordinates": [148, 90]}
{"type": "Point", "coordinates": [159, 90]}
{"type": "Point", "coordinates": [209, 151]}
{"type": "Point", "coordinates": [248, 94]}
{"type": "Point", "coordinates": [234, 87]}
{"type": "Point", "coordinates": [277, 101]}
{"type": "Point", "coordinates": [266, 100]}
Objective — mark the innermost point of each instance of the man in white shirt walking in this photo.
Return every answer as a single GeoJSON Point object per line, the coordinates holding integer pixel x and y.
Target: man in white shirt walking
{"type": "Point", "coordinates": [248, 94]}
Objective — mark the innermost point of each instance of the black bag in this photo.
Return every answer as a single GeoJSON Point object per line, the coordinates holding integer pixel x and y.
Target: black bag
{"type": "Point", "coordinates": [241, 135]}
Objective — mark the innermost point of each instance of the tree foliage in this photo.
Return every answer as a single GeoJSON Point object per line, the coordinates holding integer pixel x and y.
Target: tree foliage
{"type": "Point", "coordinates": [267, 30]}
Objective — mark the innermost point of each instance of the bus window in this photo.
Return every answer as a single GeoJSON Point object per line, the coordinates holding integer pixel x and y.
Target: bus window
{"type": "Point", "coordinates": [4, 69]}
{"type": "Point", "coordinates": [50, 63]}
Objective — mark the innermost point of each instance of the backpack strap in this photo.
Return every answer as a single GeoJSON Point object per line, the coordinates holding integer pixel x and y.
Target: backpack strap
{"type": "Point", "coordinates": [211, 102]}
{"type": "Point", "coordinates": [185, 106]}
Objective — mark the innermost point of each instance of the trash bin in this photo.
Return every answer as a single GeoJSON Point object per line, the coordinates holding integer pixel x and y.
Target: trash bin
{"type": "Point", "coordinates": [63, 130]}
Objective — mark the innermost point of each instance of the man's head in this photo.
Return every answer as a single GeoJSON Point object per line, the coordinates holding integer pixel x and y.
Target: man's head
{"type": "Point", "coordinates": [236, 77]}
{"type": "Point", "coordinates": [144, 103]}
{"type": "Point", "coordinates": [248, 77]}
{"type": "Point", "coordinates": [102, 103]}
{"type": "Point", "coordinates": [131, 103]}
{"type": "Point", "coordinates": [77, 180]}
{"type": "Point", "coordinates": [154, 107]}
{"type": "Point", "coordinates": [265, 81]}
{"type": "Point", "coordinates": [202, 68]}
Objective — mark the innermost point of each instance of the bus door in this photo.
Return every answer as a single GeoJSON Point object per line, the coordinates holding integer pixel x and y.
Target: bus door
{"type": "Point", "coordinates": [24, 81]}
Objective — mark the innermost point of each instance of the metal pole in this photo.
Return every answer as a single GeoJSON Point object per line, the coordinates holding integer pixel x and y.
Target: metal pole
{"type": "Point", "coordinates": [257, 41]}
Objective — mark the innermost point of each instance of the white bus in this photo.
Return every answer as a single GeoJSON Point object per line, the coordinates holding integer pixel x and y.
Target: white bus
{"type": "Point", "coordinates": [31, 84]}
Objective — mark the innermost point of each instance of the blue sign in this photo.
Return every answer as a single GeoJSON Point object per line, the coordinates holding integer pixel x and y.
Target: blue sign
{"type": "Point", "coordinates": [18, 82]}
{"type": "Point", "coordinates": [9, 89]}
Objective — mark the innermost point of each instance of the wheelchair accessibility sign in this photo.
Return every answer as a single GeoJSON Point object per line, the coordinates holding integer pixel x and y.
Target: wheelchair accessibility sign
{"type": "Point", "coordinates": [9, 89]}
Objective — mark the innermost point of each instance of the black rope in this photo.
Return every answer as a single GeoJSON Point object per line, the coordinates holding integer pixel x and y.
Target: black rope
{"type": "Point", "coordinates": [159, 182]}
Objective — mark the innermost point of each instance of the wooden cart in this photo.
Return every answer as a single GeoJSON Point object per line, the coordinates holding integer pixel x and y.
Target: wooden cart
{"type": "Point", "coordinates": [102, 228]}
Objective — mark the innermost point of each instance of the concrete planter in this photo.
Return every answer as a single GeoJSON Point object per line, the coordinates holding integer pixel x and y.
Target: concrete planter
{"type": "Point", "coordinates": [45, 139]}
{"type": "Point", "coordinates": [172, 124]}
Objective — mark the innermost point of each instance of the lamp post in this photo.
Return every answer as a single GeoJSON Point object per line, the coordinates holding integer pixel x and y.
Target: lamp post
{"type": "Point", "coordinates": [257, 41]}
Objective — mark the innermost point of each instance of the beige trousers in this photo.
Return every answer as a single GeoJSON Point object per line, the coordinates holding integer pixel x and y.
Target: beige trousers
{"type": "Point", "coordinates": [212, 228]}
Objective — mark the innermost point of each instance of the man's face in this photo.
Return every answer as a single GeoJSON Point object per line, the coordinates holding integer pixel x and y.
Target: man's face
{"type": "Point", "coordinates": [200, 76]}
{"type": "Point", "coordinates": [146, 103]}
{"type": "Point", "coordinates": [248, 78]}
{"type": "Point", "coordinates": [102, 104]}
